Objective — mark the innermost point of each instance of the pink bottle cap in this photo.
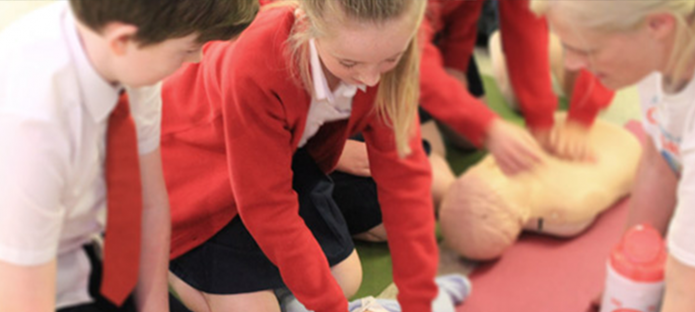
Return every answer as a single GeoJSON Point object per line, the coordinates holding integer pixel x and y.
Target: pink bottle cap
{"type": "Point", "coordinates": [640, 255]}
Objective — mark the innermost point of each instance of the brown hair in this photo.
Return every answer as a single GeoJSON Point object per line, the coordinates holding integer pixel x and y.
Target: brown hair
{"type": "Point", "coordinates": [160, 20]}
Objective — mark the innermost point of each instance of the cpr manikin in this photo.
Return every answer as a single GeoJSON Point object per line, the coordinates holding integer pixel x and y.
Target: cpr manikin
{"type": "Point", "coordinates": [485, 211]}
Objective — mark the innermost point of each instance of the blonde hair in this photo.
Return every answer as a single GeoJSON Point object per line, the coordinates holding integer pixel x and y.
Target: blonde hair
{"type": "Point", "coordinates": [627, 15]}
{"type": "Point", "coordinates": [399, 89]}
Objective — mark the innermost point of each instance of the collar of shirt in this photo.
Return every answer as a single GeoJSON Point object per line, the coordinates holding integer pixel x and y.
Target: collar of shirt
{"type": "Point", "coordinates": [321, 89]}
{"type": "Point", "coordinates": [99, 96]}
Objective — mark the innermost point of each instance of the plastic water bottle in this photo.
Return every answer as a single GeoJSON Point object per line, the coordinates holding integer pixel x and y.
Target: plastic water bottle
{"type": "Point", "coordinates": [635, 277]}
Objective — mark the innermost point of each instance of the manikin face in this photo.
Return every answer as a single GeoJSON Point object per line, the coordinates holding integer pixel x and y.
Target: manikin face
{"type": "Point", "coordinates": [359, 52]}
{"type": "Point", "coordinates": [618, 59]}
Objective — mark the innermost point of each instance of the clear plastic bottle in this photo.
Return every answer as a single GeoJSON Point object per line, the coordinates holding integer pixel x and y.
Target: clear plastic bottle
{"type": "Point", "coordinates": [635, 272]}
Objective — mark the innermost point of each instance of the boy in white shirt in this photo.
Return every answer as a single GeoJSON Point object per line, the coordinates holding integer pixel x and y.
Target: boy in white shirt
{"type": "Point", "coordinates": [62, 70]}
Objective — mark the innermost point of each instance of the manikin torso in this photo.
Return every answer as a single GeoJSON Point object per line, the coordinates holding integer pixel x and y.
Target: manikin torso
{"type": "Point", "coordinates": [485, 211]}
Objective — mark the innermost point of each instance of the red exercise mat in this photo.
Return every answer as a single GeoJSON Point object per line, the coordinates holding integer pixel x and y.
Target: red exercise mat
{"type": "Point", "coordinates": [540, 273]}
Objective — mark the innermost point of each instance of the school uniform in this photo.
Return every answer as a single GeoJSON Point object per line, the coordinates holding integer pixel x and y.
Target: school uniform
{"type": "Point", "coordinates": [525, 40]}
{"type": "Point", "coordinates": [446, 38]}
{"type": "Point", "coordinates": [54, 112]}
{"type": "Point", "coordinates": [525, 43]}
{"type": "Point", "coordinates": [448, 41]}
{"type": "Point", "coordinates": [232, 130]}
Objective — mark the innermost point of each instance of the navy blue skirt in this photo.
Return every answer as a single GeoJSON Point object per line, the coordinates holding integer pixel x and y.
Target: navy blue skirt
{"type": "Point", "coordinates": [231, 262]}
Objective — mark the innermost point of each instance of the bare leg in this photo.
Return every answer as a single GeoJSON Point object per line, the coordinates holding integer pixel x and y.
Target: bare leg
{"type": "Point", "coordinates": [348, 274]}
{"type": "Point", "coordinates": [442, 175]}
{"type": "Point", "coordinates": [261, 301]}
{"type": "Point", "coordinates": [442, 179]}
{"type": "Point", "coordinates": [198, 301]}
{"type": "Point", "coordinates": [376, 234]}
{"type": "Point", "coordinates": [192, 298]}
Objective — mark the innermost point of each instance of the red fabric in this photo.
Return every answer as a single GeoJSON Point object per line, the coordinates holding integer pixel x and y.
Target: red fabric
{"type": "Point", "coordinates": [454, 26]}
{"type": "Point", "coordinates": [231, 125]}
{"type": "Point", "coordinates": [124, 205]}
{"type": "Point", "coordinates": [587, 104]}
{"type": "Point", "coordinates": [525, 44]}
{"type": "Point", "coordinates": [525, 40]}
{"type": "Point", "coordinates": [540, 273]}
{"type": "Point", "coordinates": [442, 96]}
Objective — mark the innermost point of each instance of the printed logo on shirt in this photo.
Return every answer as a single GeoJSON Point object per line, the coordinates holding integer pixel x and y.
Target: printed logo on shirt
{"type": "Point", "coordinates": [650, 115]}
{"type": "Point", "coordinates": [667, 143]}
{"type": "Point", "coordinates": [670, 149]}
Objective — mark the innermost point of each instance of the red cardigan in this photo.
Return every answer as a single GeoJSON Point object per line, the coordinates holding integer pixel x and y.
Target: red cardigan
{"type": "Point", "coordinates": [231, 125]}
{"type": "Point", "coordinates": [442, 95]}
{"type": "Point", "coordinates": [525, 43]}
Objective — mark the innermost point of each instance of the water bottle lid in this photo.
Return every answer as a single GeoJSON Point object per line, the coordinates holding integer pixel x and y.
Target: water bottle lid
{"type": "Point", "coordinates": [640, 255]}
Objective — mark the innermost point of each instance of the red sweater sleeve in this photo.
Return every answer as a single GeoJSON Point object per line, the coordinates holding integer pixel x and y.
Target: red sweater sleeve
{"type": "Point", "coordinates": [525, 44]}
{"type": "Point", "coordinates": [254, 79]}
{"type": "Point", "coordinates": [458, 37]}
{"type": "Point", "coordinates": [589, 97]}
{"type": "Point", "coordinates": [403, 185]}
{"type": "Point", "coordinates": [447, 100]}
{"type": "Point", "coordinates": [260, 155]}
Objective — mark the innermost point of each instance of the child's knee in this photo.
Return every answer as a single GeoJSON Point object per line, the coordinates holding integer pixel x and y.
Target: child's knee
{"type": "Point", "coordinates": [376, 234]}
{"type": "Point", "coordinates": [348, 274]}
{"type": "Point", "coordinates": [260, 301]}
{"type": "Point", "coordinates": [192, 298]}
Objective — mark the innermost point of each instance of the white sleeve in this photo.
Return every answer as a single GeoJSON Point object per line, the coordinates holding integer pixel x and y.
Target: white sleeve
{"type": "Point", "coordinates": [34, 161]}
{"type": "Point", "coordinates": [681, 236]}
{"type": "Point", "coordinates": [146, 109]}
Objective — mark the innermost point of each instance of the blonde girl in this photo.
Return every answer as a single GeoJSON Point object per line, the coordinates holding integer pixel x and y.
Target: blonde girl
{"type": "Point", "coordinates": [250, 133]}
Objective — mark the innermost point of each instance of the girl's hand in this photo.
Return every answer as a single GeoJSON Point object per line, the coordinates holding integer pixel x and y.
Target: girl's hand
{"type": "Point", "coordinates": [514, 149]}
{"type": "Point", "coordinates": [543, 138]}
{"type": "Point", "coordinates": [354, 159]}
{"type": "Point", "coordinates": [570, 141]}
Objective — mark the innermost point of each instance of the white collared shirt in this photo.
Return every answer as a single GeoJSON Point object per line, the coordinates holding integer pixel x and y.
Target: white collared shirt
{"type": "Point", "coordinates": [54, 111]}
{"type": "Point", "coordinates": [326, 105]}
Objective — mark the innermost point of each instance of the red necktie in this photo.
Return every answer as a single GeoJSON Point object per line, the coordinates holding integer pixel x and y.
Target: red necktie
{"type": "Point", "coordinates": [124, 206]}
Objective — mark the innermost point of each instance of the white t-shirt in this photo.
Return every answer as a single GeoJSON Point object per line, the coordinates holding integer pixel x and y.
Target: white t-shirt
{"type": "Point", "coordinates": [326, 105]}
{"type": "Point", "coordinates": [670, 120]}
{"type": "Point", "coordinates": [54, 111]}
